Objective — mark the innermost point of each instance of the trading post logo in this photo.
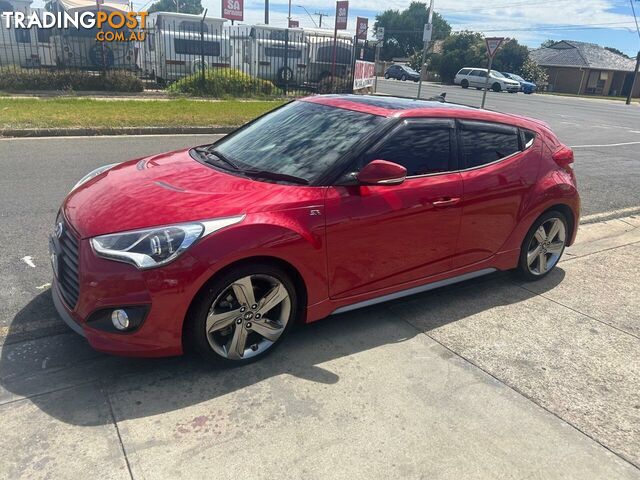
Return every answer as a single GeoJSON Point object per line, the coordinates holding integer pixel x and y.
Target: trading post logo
{"type": "Point", "coordinates": [111, 26]}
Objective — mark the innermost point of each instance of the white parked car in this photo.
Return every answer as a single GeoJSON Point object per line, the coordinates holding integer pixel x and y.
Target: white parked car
{"type": "Point", "coordinates": [477, 77]}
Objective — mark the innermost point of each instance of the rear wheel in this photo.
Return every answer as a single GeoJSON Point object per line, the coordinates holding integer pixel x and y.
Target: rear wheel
{"type": "Point", "coordinates": [243, 315]}
{"type": "Point", "coordinates": [403, 77]}
{"type": "Point", "coordinates": [543, 246]}
{"type": "Point", "coordinates": [496, 87]}
{"type": "Point", "coordinates": [386, 76]}
{"type": "Point", "coordinates": [464, 84]}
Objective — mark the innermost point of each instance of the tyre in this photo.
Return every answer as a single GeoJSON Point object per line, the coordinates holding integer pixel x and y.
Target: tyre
{"type": "Point", "coordinates": [386, 76]}
{"type": "Point", "coordinates": [284, 75]}
{"type": "Point", "coordinates": [478, 88]}
{"type": "Point", "coordinates": [243, 315]}
{"type": "Point", "coordinates": [496, 87]}
{"type": "Point", "coordinates": [464, 84]}
{"type": "Point", "coordinates": [403, 78]}
{"type": "Point", "coordinates": [543, 246]}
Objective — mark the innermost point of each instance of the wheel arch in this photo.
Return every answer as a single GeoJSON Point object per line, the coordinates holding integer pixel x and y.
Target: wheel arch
{"type": "Point", "coordinates": [568, 214]}
{"type": "Point", "coordinates": [296, 277]}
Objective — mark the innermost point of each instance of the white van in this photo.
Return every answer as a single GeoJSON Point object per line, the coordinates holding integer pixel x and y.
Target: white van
{"type": "Point", "coordinates": [321, 47]}
{"type": "Point", "coordinates": [174, 44]}
{"type": "Point", "coordinates": [26, 48]}
{"type": "Point", "coordinates": [477, 77]}
{"type": "Point", "coordinates": [276, 54]}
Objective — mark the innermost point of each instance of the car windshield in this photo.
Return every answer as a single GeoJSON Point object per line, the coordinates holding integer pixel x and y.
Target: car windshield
{"type": "Point", "coordinates": [409, 69]}
{"type": "Point", "coordinates": [301, 139]}
{"type": "Point", "coordinates": [497, 74]}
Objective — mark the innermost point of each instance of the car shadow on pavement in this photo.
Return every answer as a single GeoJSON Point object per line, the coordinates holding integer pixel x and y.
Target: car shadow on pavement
{"type": "Point", "coordinates": [136, 388]}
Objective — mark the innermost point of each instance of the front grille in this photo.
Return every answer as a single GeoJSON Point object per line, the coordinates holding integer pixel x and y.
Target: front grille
{"type": "Point", "coordinates": [68, 271]}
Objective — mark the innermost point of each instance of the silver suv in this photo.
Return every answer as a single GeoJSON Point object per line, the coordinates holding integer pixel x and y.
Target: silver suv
{"type": "Point", "coordinates": [476, 77]}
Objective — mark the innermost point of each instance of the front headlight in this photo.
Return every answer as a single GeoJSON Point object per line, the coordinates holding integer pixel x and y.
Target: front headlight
{"type": "Point", "coordinates": [93, 173]}
{"type": "Point", "coordinates": [157, 246]}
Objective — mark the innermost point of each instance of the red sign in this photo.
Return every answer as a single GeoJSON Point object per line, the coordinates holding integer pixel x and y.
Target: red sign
{"type": "Point", "coordinates": [363, 75]}
{"type": "Point", "coordinates": [294, 24]}
{"type": "Point", "coordinates": [342, 13]}
{"type": "Point", "coordinates": [233, 9]}
{"type": "Point", "coordinates": [493, 43]}
{"type": "Point", "coordinates": [362, 25]}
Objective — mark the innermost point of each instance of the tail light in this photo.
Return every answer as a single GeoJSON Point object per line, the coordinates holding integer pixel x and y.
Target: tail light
{"type": "Point", "coordinates": [563, 156]}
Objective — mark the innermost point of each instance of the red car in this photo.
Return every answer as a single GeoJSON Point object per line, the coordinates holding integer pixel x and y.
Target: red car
{"type": "Point", "coordinates": [322, 206]}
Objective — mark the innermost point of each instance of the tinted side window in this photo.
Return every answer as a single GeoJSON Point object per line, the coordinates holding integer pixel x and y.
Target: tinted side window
{"type": "Point", "coordinates": [485, 143]}
{"type": "Point", "coordinates": [464, 71]}
{"type": "Point", "coordinates": [192, 47]}
{"type": "Point", "coordinates": [420, 149]}
{"type": "Point", "coordinates": [529, 137]}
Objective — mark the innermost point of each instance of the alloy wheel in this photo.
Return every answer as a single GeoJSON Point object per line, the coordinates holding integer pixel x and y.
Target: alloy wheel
{"type": "Point", "coordinates": [546, 246]}
{"type": "Point", "coordinates": [248, 317]}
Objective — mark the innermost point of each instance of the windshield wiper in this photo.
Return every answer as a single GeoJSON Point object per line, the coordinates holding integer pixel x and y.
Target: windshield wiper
{"type": "Point", "coordinates": [209, 153]}
{"type": "Point", "coordinates": [276, 176]}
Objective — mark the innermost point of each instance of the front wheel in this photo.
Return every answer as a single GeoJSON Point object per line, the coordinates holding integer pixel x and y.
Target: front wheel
{"type": "Point", "coordinates": [464, 84]}
{"type": "Point", "coordinates": [403, 78]}
{"type": "Point", "coordinates": [496, 87]}
{"type": "Point", "coordinates": [243, 315]}
{"type": "Point", "coordinates": [543, 246]}
{"type": "Point", "coordinates": [386, 76]}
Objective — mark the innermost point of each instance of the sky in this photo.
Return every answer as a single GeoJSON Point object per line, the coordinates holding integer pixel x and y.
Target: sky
{"type": "Point", "coordinates": [605, 22]}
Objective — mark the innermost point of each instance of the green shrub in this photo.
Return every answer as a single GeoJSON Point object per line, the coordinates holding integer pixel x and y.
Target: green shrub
{"type": "Point", "coordinates": [14, 78]}
{"type": "Point", "coordinates": [334, 85]}
{"type": "Point", "coordinates": [223, 82]}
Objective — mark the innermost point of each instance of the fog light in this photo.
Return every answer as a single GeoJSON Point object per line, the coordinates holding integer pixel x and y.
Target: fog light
{"type": "Point", "coordinates": [120, 319]}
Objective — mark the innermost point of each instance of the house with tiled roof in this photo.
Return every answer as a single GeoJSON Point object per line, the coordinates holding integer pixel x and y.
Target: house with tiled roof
{"type": "Point", "coordinates": [586, 69]}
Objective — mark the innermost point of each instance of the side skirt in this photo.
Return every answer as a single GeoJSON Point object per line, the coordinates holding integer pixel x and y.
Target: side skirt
{"type": "Point", "coordinates": [414, 290]}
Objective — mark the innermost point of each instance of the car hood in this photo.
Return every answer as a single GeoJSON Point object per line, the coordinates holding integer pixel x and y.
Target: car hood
{"type": "Point", "coordinates": [173, 188]}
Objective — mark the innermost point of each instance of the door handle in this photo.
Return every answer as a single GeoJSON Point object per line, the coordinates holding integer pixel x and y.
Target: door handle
{"type": "Point", "coordinates": [445, 202]}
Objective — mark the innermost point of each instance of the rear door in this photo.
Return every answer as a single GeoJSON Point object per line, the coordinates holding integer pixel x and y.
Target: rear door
{"type": "Point", "coordinates": [498, 168]}
{"type": "Point", "coordinates": [477, 78]}
{"type": "Point", "coordinates": [384, 236]}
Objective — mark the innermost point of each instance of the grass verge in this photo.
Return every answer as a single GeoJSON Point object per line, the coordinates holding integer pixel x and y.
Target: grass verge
{"type": "Point", "coordinates": [96, 113]}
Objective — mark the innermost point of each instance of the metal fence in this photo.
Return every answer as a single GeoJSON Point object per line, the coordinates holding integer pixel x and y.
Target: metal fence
{"type": "Point", "coordinates": [175, 46]}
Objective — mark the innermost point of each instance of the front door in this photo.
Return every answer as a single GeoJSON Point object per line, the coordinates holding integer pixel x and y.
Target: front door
{"type": "Point", "coordinates": [385, 236]}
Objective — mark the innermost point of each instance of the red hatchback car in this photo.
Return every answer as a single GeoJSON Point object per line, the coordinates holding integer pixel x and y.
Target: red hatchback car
{"type": "Point", "coordinates": [324, 205]}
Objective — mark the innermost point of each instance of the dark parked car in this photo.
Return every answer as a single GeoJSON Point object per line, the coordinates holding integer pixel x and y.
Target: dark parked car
{"type": "Point", "coordinates": [402, 72]}
{"type": "Point", "coordinates": [525, 85]}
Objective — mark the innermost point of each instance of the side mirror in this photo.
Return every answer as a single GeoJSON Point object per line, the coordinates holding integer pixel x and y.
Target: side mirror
{"type": "Point", "coordinates": [381, 172]}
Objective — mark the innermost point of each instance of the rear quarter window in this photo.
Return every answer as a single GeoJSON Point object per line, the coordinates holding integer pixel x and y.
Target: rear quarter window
{"type": "Point", "coordinates": [484, 143]}
{"type": "Point", "coordinates": [464, 71]}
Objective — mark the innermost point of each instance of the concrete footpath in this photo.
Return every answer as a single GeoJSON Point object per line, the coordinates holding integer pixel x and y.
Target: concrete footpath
{"type": "Point", "coordinates": [488, 379]}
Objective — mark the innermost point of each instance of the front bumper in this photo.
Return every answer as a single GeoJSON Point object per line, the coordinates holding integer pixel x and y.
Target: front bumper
{"type": "Point", "coordinates": [165, 293]}
{"type": "Point", "coordinates": [512, 88]}
{"type": "Point", "coordinates": [62, 310]}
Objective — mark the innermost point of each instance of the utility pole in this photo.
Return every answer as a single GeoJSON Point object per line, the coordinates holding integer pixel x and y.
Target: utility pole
{"type": "Point", "coordinates": [635, 79]}
{"type": "Point", "coordinates": [266, 12]}
{"type": "Point", "coordinates": [426, 38]}
{"type": "Point", "coordinates": [320, 15]}
{"type": "Point", "coordinates": [635, 73]}
{"type": "Point", "coordinates": [289, 16]}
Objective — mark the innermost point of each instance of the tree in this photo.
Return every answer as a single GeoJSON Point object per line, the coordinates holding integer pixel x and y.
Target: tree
{"type": "Point", "coordinates": [533, 72]}
{"type": "Point", "coordinates": [547, 43]}
{"type": "Point", "coordinates": [510, 57]}
{"type": "Point", "coordinates": [403, 30]}
{"type": "Point", "coordinates": [463, 49]}
{"type": "Point", "coordinates": [185, 6]}
{"type": "Point", "coordinates": [615, 50]}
